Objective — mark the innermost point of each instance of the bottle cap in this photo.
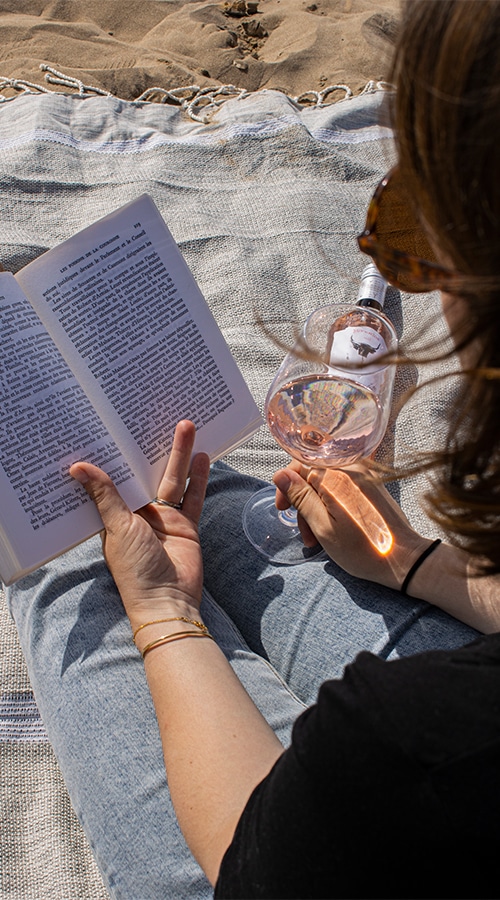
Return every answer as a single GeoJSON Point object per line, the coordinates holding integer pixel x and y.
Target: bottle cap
{"type": "Point", "coordinates": [372, 288]}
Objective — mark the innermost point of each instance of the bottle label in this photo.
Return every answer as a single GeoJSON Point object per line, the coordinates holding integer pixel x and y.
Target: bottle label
{"type": "Point", "coordinates": [361, 346]}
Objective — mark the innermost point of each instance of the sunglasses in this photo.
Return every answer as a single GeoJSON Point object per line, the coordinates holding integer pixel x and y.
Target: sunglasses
{"type": "Point", "coordinates": [396, 242]}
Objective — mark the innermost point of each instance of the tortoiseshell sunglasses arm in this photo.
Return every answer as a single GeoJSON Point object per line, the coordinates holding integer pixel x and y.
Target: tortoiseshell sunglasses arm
{"type": "Point", "coordinates": [397, 266]}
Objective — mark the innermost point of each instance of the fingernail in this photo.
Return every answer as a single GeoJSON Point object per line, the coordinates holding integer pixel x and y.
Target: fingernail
{"type": "Point", "coordinates": [282, 481]}
{"type": "Point", "coordinates": [80, 475]}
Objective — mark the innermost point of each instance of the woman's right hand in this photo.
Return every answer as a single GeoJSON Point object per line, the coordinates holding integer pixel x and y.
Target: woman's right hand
{"type": "Point", "coordinates": [354, 518]}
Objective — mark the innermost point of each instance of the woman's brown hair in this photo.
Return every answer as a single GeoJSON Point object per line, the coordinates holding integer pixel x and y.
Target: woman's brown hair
{"type": "Point", "coordinates": [446, 116]}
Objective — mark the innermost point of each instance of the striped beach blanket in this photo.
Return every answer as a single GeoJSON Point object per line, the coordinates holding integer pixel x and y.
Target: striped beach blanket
{"type": "Point", "coordinates": [264, 198]}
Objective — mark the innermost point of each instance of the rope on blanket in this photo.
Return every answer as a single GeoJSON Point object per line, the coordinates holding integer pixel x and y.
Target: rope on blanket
{"type": "Point", "coordinates": [199, 103]}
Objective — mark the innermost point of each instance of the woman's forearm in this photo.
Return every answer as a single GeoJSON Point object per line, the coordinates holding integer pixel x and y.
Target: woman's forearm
{"type": "Point", "coordinates": [446, 579]}
{"type": "Point", "coordinates": [216, 744]}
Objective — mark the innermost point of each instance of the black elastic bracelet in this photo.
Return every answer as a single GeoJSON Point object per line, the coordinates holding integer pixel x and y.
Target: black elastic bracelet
{"type": "Point", "coordinates": [416, 565]}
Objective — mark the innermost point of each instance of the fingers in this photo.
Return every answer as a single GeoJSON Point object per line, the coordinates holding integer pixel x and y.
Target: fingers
{"type": "Point", "coordinates": [306, 532]}
{"type": "Point", "coordinates": [173, 482]}
{"type": "Point", "coordinates": [195, 493]}
{"type": "Point", "coordinates": [172, 487]}
{"type": "Point", "coordinates": [292, 486]}
{"type": "Point", "coordinates": [180, 467]}
{"type": "Point", "coordinates": [284, 501]}
{"type": "Point", "coordinates": [101, 489]}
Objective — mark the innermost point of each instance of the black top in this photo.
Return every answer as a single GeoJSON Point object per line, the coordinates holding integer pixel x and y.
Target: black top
{"type": "Point", "coordinates": [390, 788]}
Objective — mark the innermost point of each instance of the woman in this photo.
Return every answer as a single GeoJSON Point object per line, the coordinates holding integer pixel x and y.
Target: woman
{"type": "Point", "coordinates": [390, 782]}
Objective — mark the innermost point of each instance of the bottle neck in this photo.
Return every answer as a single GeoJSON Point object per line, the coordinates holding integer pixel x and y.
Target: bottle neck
{"type": "Point", "coordinates": [371, 303]}
{"type": "Point", "coordinates": [372, 288]}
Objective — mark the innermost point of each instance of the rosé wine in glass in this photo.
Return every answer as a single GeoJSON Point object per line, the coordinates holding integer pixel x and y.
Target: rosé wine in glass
{"type": "Point", "coordinates": [324, 420]}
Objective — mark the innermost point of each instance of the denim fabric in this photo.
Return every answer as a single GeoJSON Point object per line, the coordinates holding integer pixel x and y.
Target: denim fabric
{"type": "Point", "coordinates": [89, 683]}
{"type": "Point", "coordinates": [308, 620]}
{"type": "Point", "coordinates": [284, 631]}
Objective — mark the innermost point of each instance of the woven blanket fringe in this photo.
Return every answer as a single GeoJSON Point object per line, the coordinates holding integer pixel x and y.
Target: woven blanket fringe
{"type": "Point", "coordinates": [199, 103]}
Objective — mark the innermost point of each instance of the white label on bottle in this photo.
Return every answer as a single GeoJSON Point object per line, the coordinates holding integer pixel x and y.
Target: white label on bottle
{"type": "Point", "coordinates": [359, 345]}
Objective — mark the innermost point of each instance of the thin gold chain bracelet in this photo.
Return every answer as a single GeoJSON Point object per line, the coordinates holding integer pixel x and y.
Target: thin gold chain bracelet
{"type": "Point", "coordinates": [199, 625]}
{"type": "Point", "coordinates": [170, 638]}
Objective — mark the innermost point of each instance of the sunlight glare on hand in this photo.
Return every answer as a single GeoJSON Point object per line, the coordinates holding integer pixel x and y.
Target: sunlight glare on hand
{"type": "Point", "coordinates": [360, 509]}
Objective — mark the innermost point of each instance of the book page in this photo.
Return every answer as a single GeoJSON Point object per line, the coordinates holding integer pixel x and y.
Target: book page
{"type": "Point", "coordinates": [46, 424]}
{"type": "Point", "coordinates": [122, 305]}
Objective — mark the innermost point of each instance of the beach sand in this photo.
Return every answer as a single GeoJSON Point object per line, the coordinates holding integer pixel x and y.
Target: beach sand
{"type": "Point", "coordinates": [128, 46]}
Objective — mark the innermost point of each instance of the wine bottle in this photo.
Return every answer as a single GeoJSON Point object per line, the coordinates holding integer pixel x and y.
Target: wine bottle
{"type": "Point", "coordinates": [359, 341]}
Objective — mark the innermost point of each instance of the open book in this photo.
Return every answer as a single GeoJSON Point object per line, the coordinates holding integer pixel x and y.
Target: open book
{"type": "Point", "coordinates": [106, 343]}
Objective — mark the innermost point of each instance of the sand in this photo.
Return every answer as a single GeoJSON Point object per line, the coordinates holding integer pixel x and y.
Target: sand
{"type": "Point", "coordinates": [128, 46]}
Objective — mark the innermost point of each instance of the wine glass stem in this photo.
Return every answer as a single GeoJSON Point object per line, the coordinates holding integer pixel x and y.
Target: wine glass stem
{"type": "Point", "coordinates": [288, 517]}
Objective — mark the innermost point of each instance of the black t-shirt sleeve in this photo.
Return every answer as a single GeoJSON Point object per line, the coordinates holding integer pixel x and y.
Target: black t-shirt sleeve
{"type": "Point", "coordinates": [352, 807]}
{"type": "Point", "coordinates": [303, 821]}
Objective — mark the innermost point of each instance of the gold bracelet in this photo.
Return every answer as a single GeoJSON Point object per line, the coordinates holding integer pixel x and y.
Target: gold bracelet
{"type": "Point", "coordinates": [174, 619]}
{"type": "Point", "coordinates": [169, 638]}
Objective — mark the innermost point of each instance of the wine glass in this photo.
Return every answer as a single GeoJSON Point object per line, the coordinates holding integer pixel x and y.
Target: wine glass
{"type": "Point", "coordinates": [328, 406]}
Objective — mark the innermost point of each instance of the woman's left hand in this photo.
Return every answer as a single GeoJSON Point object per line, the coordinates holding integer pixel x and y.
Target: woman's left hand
{"type": "Point", "coordinates": [154, 554]}
{"type": "Point", "coordinates": [354, 518]}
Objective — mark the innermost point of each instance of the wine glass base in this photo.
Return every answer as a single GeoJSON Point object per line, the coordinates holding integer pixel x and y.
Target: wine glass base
{"type": "Point", "coordinates": [275, 533]}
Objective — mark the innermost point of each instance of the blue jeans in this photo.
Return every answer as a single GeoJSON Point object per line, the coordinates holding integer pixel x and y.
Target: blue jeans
{"type": "Point", "coordinates": [284, 631]}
